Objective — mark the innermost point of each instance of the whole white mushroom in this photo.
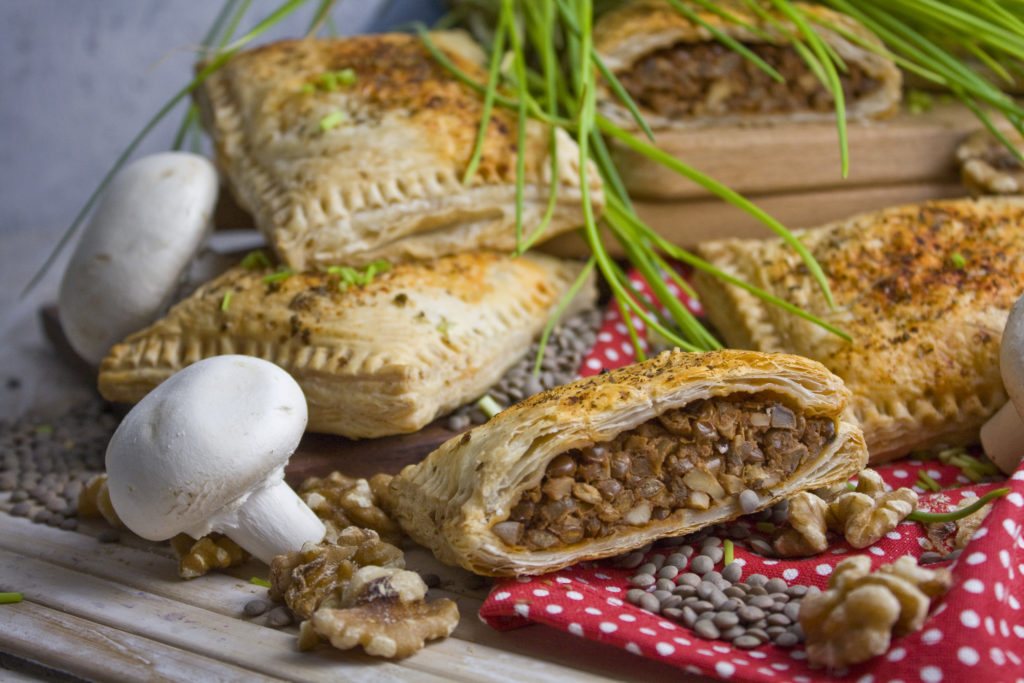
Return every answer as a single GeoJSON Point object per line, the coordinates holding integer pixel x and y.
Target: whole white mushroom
{"type": "Point", "coordinates": [205, 451]}
{"type": "Point", "coordinates": [1002, 436]}
{"type": "Point", "coordinates": [149, 224]}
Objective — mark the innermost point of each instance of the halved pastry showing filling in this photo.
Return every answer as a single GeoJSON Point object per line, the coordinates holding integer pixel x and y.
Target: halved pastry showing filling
{"type": "Point", "coordinates": [680, 75]}
{"type": "Point", "coordinates": [612, 462]}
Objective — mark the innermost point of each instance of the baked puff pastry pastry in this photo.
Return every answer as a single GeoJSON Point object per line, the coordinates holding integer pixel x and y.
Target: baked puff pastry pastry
{"type": "Point", "coordinates": [924, 290]}
{"type": "Point", "coordinates": [350, 150]}
{"type": "Point", "coordinates": [681, 76]}
{"type": "Point", "coordinates": [373, 359]}
{"type": "Point", "coordinates": [612, 462]}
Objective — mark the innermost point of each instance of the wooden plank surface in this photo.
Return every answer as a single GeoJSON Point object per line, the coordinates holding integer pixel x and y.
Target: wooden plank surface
{"type": "Point", "coordinates": [905, 149]}
{"type": "Point", "coordinates": [119, 612]}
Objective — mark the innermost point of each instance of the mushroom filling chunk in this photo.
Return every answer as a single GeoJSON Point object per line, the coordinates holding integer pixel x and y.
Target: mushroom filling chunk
{"type": "Point", "coordinates": [689, 80]}
{"type": "Point", "coordinates": [685, 459]}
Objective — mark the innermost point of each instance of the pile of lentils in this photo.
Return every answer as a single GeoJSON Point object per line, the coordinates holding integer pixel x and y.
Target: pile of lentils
{"type": "Point", "coordinates": [566, 347]}
{"type": "Point", "coordinates": [45, 462]}
{"type": "Point", "coordinates": [681, 583]}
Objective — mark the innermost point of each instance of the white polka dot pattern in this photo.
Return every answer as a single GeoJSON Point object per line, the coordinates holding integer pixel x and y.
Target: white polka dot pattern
{"type": "Point", "coordinates": [976, 631]}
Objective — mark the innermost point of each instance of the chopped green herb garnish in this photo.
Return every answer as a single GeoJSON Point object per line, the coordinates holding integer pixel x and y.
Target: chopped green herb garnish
{"type": "Point", "coordinates": [958, 260]}
{"type": "Point", "coordinates": [932, 517]}
{"type": "Point", "coordinates": [489, 406]}
{"type": "Point", "coordinates": [256, 259]}
{"type": "Point", "coordinates": [919, 101]}
{"type": "Point", "coordinates": [44, 429]}
{"type": "Point", "coordinates": [226, 301]}
{"type": "Point", "coordinates": [260, 582]}
{"type": "Point", "coordinates": [332, 120]}
{"type": "Point", "coordinates": [351, 276]}
{"type": "Point", "coordinates": [281, 274]}
{"type": "Point", "coordinates": [345, 76]}
{"type": "Point", "coordinates": [729, 554]}
{"type": "Point", "coordinates": [445, 326]}
{"type": "Point", "coordinates": [765, 527]}
{"type": "Point", "coordinates": [307, 88]}
{"type": "Point", "coordinates": [10, 598]}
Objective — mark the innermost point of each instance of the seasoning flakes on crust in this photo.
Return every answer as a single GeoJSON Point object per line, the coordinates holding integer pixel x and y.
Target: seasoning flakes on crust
{"type": "Point", "coordinates": [923, 290]}
{"type": "Point", "coordinates": [612, 462]}
{"type": "Point", "coordinates": [348, 150]}
{"type": "Point", "coordinates": [384, 357]}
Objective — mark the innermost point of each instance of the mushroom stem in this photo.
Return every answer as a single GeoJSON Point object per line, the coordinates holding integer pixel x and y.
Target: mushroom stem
{"type": "Point", "coordinates": [1002, 437]}
{"type": "Point", "coordinates": [272, 521]}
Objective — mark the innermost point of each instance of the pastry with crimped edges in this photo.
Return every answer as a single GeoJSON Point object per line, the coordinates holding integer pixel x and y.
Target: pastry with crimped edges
{"type": "Point", "coordinates": [610, 463]}
{"type": "Point", "coordinates": [924, 290]}
{"type": "Point", "coordinates": [375, 354]}
{"type": "Point", "coordinates": [681, 76]}
{"type": "Point", "coordinates": [350, 150]}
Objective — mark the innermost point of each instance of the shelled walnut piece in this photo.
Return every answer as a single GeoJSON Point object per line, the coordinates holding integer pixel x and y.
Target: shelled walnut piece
{"type": "Point", "coordinates": [988, 167]}
{"type": "Point", "coordinates": [862, 516]}
{"type": "Point", "coordinates": [196, 557]}
{"type": "Point", "coordinates": [357, 592]}
{"type": "Point", "coordinates": [856, 618]}
{"type": "Point", "coordinates": [344, 501]}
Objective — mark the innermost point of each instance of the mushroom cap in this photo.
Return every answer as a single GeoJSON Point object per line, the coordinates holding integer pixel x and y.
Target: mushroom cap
{"type": "Point", "coordinates": [147, 228]}
{"type": "Point", "coordinates": [1011, 356]}
{"type": "Point", "coordinates": [201, 441]}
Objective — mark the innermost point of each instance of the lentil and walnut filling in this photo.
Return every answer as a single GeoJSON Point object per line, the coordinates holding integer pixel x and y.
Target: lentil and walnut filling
{"type": "Point", "coordinates": [685, 459]}
{"type": "Point", "coordinates": [689, 80]}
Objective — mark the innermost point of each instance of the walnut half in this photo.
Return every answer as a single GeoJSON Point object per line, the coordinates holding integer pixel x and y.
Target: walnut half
{"type": "Point", "coordinates": [856, 618]}
{"type": "Point", "coordinates": [383, 609]}
{"type": "Point", "coordinates": [871, 511]}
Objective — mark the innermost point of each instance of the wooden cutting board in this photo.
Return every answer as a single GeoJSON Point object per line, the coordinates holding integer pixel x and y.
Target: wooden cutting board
{"type": "Point", "coordinates": [791, 171]}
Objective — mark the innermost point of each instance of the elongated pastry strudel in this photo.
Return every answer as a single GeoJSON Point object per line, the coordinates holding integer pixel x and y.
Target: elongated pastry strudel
{"type": "Point", "coordinates": [349, 150]}
{"type": "Point", "coordinates": [375, 354]}
{"type": "Point", "coordinates": [924, 291]}
{"type": "Point", "coordinates": [680, 75]}
{"type": "Point", "coordinates": [611, 462]}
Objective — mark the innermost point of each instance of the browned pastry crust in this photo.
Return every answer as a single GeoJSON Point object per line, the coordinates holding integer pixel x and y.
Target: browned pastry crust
{"type": "Point", "coordinates": [376, 359]}
{"type": "Point", "coordinates": [712, 85]}
{"type": "Point", "coordinates": [386, 181]}
{"type": "Point", "coordinates": [453, 500]}
{"type": "Point", "coordinates": [924, 291]}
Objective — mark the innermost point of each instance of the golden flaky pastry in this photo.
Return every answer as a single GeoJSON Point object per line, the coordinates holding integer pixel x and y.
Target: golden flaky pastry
{"type": "Point", "coordinates": [348, 150]}
{"type": "Point", "coordinates": [680, 75]}
{"type": "Point", "coordinates": [924, 291]}
{"type": "Point", "coordinates": [612, 462]}
{"type": "Point", "coordinates": [381, 358]}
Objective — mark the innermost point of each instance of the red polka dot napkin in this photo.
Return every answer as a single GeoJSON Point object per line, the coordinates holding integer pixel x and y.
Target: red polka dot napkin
{"type": "Point", "coordinates": [976, 631]}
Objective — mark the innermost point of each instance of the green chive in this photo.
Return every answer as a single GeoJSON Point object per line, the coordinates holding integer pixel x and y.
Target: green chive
{"type": "Point", "coordinates": [44, 429]}
{"type": "Point", "coordinates": [926, 482]}
{"type": "Point", "coordinates": [226, 301]}
{"type": "Point", "coordinates": [940, 517]}
{"type": "Point", "coordinates": [332, 120]}
{"type": "Point", "coordinates": [490, 407]}
{"type": "Point", "coordinates": [10, 598]}
{"type": "Point", "coordinates": [958, 260]}
{"type": "Point", "coordinates": [765, 527]}
{"type": "Point", "coordinates": [729, 554]}
{"type": "Point", "coordinates": [259, 582]}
